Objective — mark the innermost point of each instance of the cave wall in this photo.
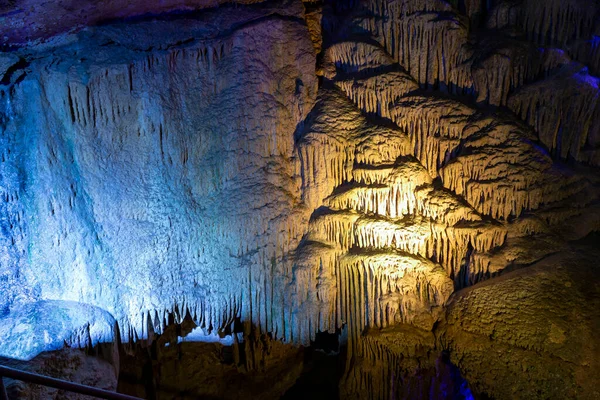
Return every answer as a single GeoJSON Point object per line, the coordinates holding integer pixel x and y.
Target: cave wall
{"type": "Point", "coordinates": [279, 170]}
{"type": "Point", "coordinates": [147, 179]}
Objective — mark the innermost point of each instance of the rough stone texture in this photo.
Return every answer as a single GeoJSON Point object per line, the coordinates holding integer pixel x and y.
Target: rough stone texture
{"type": "Point", "coordinates": [530, 333]}
{"type": "Point", "coordinates": [565, 109]}
{"type": "Point", "coordinates": [400, 363]}
{"type": "Point", "coordinates": [146, 162]}
{"type": "Point", "coordinates": [50, 325]}
{"type": "Point", "coordinates": [25, 21]}
{"type": "Point", "coordinates": [314, 16]}
{"type": "Point", "coordinates": [192, 370]}
{"type": "Point", "coordinates": [430, 40]}
{"type": "Point", "coordinates": [7, 60]}
{"type": "Point", "coordinates": [188, 166]}
{"type": "Point", "coordinates": [73, 365]}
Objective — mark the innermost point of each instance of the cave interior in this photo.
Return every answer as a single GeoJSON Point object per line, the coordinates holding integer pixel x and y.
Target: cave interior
{"type": "Point", "coordinates": [297, 199]}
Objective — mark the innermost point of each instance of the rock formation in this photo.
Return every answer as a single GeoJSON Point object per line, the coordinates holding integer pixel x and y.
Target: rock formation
{"type": "Point", "coordinates": [532, 329]}
{"type": "Point", "coordinates": [418, 179]}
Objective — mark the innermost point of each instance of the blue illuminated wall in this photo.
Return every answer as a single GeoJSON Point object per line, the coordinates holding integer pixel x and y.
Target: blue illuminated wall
{"type": "Point", "coordinates": [147, 181]}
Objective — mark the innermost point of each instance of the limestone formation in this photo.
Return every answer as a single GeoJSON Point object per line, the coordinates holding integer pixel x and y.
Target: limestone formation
{"type": "Point", "coordinates": [188, 202]}
{"type": "Point", "coordinates": [530, 333]}
{"type": "Point", "coordinates": [68, 364]}
{"type": "Point", "coordinates": [416, 181]}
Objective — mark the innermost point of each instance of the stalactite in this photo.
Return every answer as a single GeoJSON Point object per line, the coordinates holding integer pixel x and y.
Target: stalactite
{"type": "Point", "coordinates": [564, 109]}
{"type": "Point", "coordinates": [404, 212]}
{"type": "Point", "coordinates": [315, 293]}
{"type": "Point", "coordinates": [435, 126]}
{"type": "Point", "coordinates": [510, 186]}
{"type": "Point", "coordinates": [504, 15]}
{"type": "Point", "coordinates": [334, 227]}
{"type": "Point", "coordinates": [381, 146]}
{"type": "Point", "coordinates": [398, 8]}
{"type": "Point", "coordinates": [395, 197]}
{"type": "Point", "coordinates": [426, 38]}
{"type": "Point", "coordinates": [377, 93]}
{"type": "Point", "coordinates": [557, 22]}
{"type": "Point", "coordinates": [214, 199]}
{"type": "Point", "coordinates": [501, 66]}
{"type": "Point", "coordinates": [395, 288]}
{"type": "Point", "coordinates": [354, 57]}
{"type": "Point", "coordinates": [155, 193]}
{"type": "Point", "coordinates": [335, 140]}
{"type": "Point", "coordinates": [326, 163]}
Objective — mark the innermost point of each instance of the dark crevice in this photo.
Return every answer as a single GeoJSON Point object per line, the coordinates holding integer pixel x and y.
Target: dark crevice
{"type": "Point", "coordinates": [22, 64]}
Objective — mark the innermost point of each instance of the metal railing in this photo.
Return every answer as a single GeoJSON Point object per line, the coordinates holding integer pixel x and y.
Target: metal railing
{"type": "Point", "coordinates": [57, 384]}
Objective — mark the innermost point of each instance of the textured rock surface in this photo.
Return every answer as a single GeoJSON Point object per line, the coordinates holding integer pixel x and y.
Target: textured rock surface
{"type": "Point", "coordinates": [401, 363]}
{"type": "Point", "coordinates": [68, 364]}
{"type": "Point", "coordinates": [530, 333]}
{"type": "Point", "coordinates": [431, 41]}
{"type": "Point", "coordinates": [143, 174]}
{"type": "Point", "coordinates": [278, 171]}
{"type": "Point", "coordinates": [192, 370]}
{"type": "Point", "coordinates": [50, 325]}
{"type": "Point", "coordinates": [27, 21]}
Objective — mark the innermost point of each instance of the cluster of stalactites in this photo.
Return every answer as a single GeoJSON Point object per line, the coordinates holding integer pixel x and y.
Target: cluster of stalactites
{"type": "Point", "coordinates": [385, 221]}
{"type": "Point", "coordinates": [429, 39]}
{"type": "Point", "coordinates": [136, 133]}
{"type": "Point", "coordinates": [354, 58]}
{"type": "Point", "coordinates": [396, 206]}
{"type": "Point", "coordinates": [564, 109]}
{"type": "Point", "coordinates": [374, 369]}
{"type": "Point", "coordinates": [511, 66]}
{"type": "Point", "coordinates": [447, 245]}
{"type": "Point", "coordinates": [427, 46]}
{"type": "Point", "coordinates": [440, 130]}
{"type": "Point", "coordinates": [318, 309]}
{"type": "Point", "coordinates": [392, 288]}
{"type": "Point", "coordinates": [406, 190]}
{"type": "Point", "coordinates": [557, 22]}
{"type": "Point", "coordinates": [339, 138]}
{"type": "Point", "coordinates": [100, 109]}
{"type": "Point", "coordinates": [256, 300]}
{"type": "Point", "coordinates": [504, 185]}
{"type": "Point", "coordinates": [376, 94]}
{"type": "Point", "coordinates": [436, 128]}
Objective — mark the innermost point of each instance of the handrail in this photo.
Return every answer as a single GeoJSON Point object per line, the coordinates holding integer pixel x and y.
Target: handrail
{"type": "Point", "coordinates": [57, 384]}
